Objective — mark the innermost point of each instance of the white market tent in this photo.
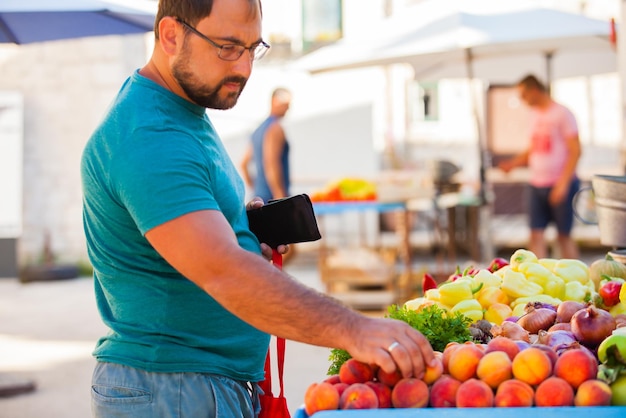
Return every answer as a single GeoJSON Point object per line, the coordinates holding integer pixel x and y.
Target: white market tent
{"type": "Point", "coordinates": [550, 43]}
{"type": "Point", "coordinates": [496, 48]}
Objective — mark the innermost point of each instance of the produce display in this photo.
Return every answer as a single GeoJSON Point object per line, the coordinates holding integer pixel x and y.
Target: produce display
{"type": "Point", "coordinates": [523, 332]}
{"type": "Point", "coordinates": [346, 190]}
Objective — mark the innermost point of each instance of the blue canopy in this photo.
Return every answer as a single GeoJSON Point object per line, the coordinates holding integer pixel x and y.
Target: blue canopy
{"type": "Point", "coordinates": [27, 21]}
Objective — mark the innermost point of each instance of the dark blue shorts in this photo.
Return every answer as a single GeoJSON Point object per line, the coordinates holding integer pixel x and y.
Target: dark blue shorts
{"type": "Point", "coordinates": [541, 213]}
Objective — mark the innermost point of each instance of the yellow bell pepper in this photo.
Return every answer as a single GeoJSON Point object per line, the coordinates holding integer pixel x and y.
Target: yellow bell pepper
{"type": "Point", "coordinates": [576, 291]}
{"type": "Point", "coordinates": [618, 309]}
{"type": "Point", "coordinates": [572, 270]}
{"type": "Point", "coordinates": [548, 263]}
{"type": "Point", "coordinates": [415, 304]}
{"type": "Point", "coordinates": [535, 272]}
{"type": "Point", "coordinates": [470, 308]}
{"type": "Point", "coordinates": [518, 310]}
{"type": "Point", "coordinates": [555, 287]}
{"type": "Point", "coordinates": [536, 298]}
{"type": "Point", "coordinates": [622, 294]}
{"type": "Point", "coordinates": [432, 294]}
{"type": "Point", "coordinates": [491, 295]}
{"type": "Point", "coordinates": [454, 292]}
{"type": "Point", "coordinates": [487, 278]}
{"type": "Point", "coordinates": [516, 286]}
{"type": "Point", "coordinates": [497, 313]}
{"type": "Point", "coordinates": [501, 271]}
{"type": "Point", "coordinates": [521, 256]}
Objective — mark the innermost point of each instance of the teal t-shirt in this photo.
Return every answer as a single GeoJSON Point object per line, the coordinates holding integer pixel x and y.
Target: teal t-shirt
{"type": "Point", "coordinates": [156, 157]}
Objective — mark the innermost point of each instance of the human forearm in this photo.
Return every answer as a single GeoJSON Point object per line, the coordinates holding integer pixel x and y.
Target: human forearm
{"type": "Point", "coordinates": [519, 160]}
{"type": "Point", "coordinates": [202, 247]}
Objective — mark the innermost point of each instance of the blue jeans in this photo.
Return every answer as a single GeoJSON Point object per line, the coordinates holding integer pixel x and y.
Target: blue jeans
{"type": "Point", "coordinates": [122, 391]}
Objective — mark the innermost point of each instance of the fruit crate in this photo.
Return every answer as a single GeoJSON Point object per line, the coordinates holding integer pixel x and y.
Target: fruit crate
{"type": "Point", "coordinates": [363, 278]}
{"type": "Point", "coordinates": [536, 412]}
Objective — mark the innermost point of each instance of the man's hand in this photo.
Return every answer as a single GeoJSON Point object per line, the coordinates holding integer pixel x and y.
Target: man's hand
{"type": "Point", "coordinates": [391, 344]}
{"type": "Point", "coordinates": [558, 193]}
{"type": "Point", "coordinates": [266, 250]}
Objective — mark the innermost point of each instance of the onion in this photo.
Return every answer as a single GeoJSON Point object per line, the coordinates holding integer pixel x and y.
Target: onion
{"type": "Point", "coordinates": [535, 319]}
{"type": "Point", "coordinates": [567, 309]}
{"type": "Point", "coordinates": [560, 349]}
{"type": "Point", "coordinates": [561, 326]}
{"type": "Point", "coordinates": [592, 325]}
{"type": "Point", "coordinates": [511, 330]}
{"type": "Point", "coordinates": [620, 320]}
{"type": "Point", "coordinates": [556, 338]}
{"type": "Point", "coordinates": [538, 305]}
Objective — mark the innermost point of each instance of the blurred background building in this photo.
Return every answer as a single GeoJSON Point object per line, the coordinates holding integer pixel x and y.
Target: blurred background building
{"type": "Point", "coordinates": [357, 123]}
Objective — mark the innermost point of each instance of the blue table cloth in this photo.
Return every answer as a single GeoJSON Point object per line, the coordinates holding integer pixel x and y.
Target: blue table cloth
{"type": "Point", "coordinates": [561, 412]}
{"type": "Point", "coordinates": [327, 208]}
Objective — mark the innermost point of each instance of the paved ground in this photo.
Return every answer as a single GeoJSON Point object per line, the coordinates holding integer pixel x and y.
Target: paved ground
{"type": "Point", "coordinates": [47, 333]}
{"type": "Point", "coordinates": [48, 329]}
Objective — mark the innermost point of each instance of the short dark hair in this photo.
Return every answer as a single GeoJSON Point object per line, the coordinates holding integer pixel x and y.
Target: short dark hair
{"type": "Point", "coordinates": [532, 82]}
{"type": "Point", "coordinates": [190, 11]}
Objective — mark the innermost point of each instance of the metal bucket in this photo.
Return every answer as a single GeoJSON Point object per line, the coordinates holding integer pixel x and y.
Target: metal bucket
{"type": "Point", "coordinates": [609, 196]}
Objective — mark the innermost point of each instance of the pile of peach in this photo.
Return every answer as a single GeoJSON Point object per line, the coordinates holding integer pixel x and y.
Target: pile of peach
{"type": "Point", "coordinates": [496, 374]}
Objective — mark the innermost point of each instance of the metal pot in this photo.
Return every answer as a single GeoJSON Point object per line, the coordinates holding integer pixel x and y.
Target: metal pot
{"type": "Point", "coordinates": [609, 196]}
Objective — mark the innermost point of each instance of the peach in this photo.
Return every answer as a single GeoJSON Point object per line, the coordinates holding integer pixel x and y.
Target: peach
{"type": "Point", "coordinates": [354, 371]}
{"type": "Point", "coordinates": [549, 351]}
{"type": "Point", "coordinates": [494, 368]}
{"type": "Point", "coordinates": [341, 387]}
{"type": "Point", "coordinates": [433, 373]}
{"type": "Point", "coordinates": [532, 366]}
{"type": "Point", "coordinates": [593, 392]}
{"type": "Point", "coordinates": [464, 361]}
{"type": "Point", "coordinates": [321, 397]}
{"type": "Point", "coordinates": [505, 344]}
{"type": "Point", "coordinates": [410, 393]}
{"type": "Point", "coordinates": [447, 352]}
{"type": "Point", "coordinates": [575, 366]}
{"type": "Point", "coordinates": [389, 379]}
{"type": "Point", "coordinates": [474, 393]}
{"type": "Point", "coordinates": [443, 392]}
{"type": "Point", "coordinates": [497, 313]}
{"type": "Point", "coordinates": [332, 379]}
{"type": "Point", "coordinates": [554, 391]}
{"type": "Point", "coordinates": [358, 396]}
{"type": "Point", "coordinates": [383, 392]}
{"type": "Point", "coordinates": [514, 393]}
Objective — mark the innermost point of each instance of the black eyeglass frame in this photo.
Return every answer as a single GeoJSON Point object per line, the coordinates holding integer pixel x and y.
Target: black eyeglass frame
{"type": "Point", "coordinates": [256, 51]}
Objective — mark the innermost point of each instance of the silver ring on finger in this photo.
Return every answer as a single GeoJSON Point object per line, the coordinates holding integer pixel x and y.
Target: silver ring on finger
{"type": "Point", "coordinates": [393, 346]}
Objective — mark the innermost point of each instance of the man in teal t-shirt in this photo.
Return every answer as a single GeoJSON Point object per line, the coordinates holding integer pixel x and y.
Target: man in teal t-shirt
{"type": "Point", "coordinates": [182, 283]}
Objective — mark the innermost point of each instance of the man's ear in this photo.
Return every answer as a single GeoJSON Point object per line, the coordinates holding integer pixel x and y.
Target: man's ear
{"type": "Point", "coordinates": [169, 29]}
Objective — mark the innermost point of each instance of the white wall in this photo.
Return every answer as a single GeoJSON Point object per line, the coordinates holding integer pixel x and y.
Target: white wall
{"type": "Point", "coordinates": [66, 86]}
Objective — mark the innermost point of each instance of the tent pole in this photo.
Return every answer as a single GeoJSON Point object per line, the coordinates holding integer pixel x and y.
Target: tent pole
{"type": "Point", "coordinates": [549, 56]}
{"type": "Point", "coordinates": [487, 251]}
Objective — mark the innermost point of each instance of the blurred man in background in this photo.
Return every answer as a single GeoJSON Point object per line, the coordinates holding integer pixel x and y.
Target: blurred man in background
{"type": "Point", "coordinates": [552, 157]}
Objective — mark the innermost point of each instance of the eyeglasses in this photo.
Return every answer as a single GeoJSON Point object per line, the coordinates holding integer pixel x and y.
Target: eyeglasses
{"type": "Point", "coordinates": [231, 52]}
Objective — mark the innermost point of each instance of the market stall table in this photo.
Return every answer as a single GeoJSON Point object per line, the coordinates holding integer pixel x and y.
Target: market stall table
{"type": "Point", "coordinates": [399, 287]}
{"type": "Point", "coordinates": [537, 412]}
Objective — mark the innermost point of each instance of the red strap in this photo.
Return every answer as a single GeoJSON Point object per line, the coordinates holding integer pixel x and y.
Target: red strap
{"type": "Point", "coordinates": [277, 259]}
{"type": "Point", "coordinates": [280, 345]}
{"type": "Point", "coordinates": [266, 385]}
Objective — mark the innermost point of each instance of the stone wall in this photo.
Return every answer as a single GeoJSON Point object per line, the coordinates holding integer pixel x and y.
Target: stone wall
{"type": "Point", "coordinates": [66, 86]}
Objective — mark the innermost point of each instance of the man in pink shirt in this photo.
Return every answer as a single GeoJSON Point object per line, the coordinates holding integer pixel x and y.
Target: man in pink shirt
{"type": "Point", "coordinates": [551, 157]}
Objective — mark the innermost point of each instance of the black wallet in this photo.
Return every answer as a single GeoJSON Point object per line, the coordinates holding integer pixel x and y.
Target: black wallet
{"type": "Point", "coordinates": [284, 221]}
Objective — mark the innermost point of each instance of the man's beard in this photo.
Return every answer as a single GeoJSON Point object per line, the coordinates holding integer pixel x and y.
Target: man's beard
{"type": "Point", "coordinates": [201, 94]}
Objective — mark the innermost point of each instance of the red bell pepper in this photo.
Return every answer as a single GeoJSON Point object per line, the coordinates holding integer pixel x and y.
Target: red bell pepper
{"type": "Point", "coordinates": [609, 292]}
{"type": "Point", "coordinates": [428, 282]}
{"type": "Point", "coordinates": [497, 263]}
